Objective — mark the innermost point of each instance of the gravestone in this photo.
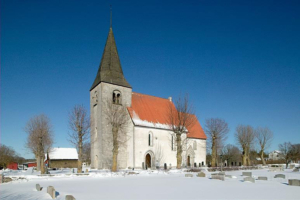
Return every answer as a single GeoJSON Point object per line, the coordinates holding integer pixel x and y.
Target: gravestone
{"type": "Point", "coordinates": [38, 187]}
{"type": "Point", "coordinates": [248, 178]}
{"type": "Point", "coordinates": [294, 182]}
{"type": "Point", "coordinates": [1, 178]}
{"type": "Point", "coordinates": [165, 166]}
{"type": "Point", "coordinates": [228, 176]}
{"type": "Point", "coordinates": [69, 197]}
{"type": "Point", "coordinates": [201, 174]}
{"type": "Point", "coordinates": [189, 175]}
{"type": "Point", "coordinates": [51, 191]}
{"type": "Point", "coordinates": [143, 165]}
{"type": "Point", "coordinates": [221, 173]}
{"type": "Point", "coordinates": [296, 170]}
{"type": "Point", "coordinates": [279, 176]}
{"type": "Point", "coordinates": [87, 171]}
{"type": "Point", "coordinates": [262, 178]}
{"type": "Point", "coordinates": [247, 174]}
{"type": "Point", "coordinates": [217, 176]}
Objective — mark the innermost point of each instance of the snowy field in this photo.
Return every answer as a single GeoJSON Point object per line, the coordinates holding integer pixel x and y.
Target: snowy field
{"type": "Point", "coordinates": [150, 185]}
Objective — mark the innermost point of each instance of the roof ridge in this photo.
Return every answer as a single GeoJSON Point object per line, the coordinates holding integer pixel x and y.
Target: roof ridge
{"type": "Point", "coordinates": [150, 95]}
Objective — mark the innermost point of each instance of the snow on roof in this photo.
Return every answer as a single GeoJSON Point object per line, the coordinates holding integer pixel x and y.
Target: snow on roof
{"type": "Point", "coordinates": [62, 153]}
{"type": "Point", "coordinates": [151, 111]}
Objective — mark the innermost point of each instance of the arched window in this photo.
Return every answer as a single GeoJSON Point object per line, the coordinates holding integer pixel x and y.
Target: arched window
{"type": "Point", "coordinates": [150, 139]}
{"type": "Point", "coordinates": [116, 97]}
{"type": "Point", "coordinates": [195, 145]}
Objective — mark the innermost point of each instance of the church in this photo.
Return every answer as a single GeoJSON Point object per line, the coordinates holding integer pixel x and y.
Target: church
{"type": "Point", "coordinates": [150, 141]}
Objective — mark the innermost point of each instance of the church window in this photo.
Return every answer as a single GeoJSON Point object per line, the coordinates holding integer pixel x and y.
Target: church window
{"type": "Point", "coordinates": [195, 145]}
{"type": "Point", "coordinates": [116, 97]}
{"type": "Point", "coordinates": [150, 139]}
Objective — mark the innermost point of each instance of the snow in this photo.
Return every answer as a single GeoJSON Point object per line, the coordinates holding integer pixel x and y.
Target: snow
{"type": "Point", "coordinates": [62, 153]}
{"type": "Point", "coordinates": [150, 185]}
{"type": "Point", "coordinates": [138, 122]}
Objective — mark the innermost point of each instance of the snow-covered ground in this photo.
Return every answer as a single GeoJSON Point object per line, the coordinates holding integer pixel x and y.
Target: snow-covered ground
{"type": "Point", "coordinates": [150, 185]}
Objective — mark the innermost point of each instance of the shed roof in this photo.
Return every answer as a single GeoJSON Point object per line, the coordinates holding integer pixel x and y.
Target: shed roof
{"type": "Point", "coordinates": [151, 111]}
{"type": "Point", "coordinates": [63, 154]}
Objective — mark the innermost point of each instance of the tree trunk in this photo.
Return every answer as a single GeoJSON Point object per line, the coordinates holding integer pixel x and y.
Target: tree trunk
{"type": "Point", "coordinates": [42, 158]}
{"type": "Point", "coordinates": [245, 156]}
{"type": "Point", "coordinates": [179, 151]}
{"type": "Point", "coordinates": [115, 149]}
{"type": "Point", "coordinates": [248, 157]}
{"type": "Point", "coordinates": [38, 163]}
{"type": "Point", "coordinates": [214, 153]}
{"type": "Point", "coordinates": [262, 157]}
{"type": "Point", "coordinates": [79, 164]}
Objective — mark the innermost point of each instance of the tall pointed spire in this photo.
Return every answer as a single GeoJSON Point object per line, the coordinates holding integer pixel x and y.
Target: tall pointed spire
{"type": "Point", "coordinates": [110, 70]}
{"type": "Point", "coordinates": [110, 17]}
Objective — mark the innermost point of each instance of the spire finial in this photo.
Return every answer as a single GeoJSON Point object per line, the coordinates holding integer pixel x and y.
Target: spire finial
{"type": "Point", "coordinates": [110, 17]}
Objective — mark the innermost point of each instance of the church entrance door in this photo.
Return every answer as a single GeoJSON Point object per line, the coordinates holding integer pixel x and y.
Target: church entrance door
{"type": "Point", "coordinates": [188, 161]}
{"type": "Point", "coordinates": [148, 161]}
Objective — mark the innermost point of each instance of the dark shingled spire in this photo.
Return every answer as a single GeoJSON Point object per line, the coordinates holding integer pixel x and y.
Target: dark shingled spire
{"type": "Point", "coordinates": [110, 70]}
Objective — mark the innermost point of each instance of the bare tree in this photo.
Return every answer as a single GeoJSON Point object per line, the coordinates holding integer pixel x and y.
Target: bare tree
{"type": "Point", "coordinates": [180, 118]}
{"type": "Point", "coordinates": [118, 119]}
{"type": "Point", "coordinates": [295, 152]}
{"type": "Point", "coordinates": [231, 153]}
{"type": "Point", "coordinates": [40, 138]}
{"type": "Point", "coordinates": [244, 136]}
{"type": "Point", "coordinates": [79, 124]}
{"type": "Point", "coordinates": [285, 150]}
{"type": "Point", "coordinates": [7, 155]}
{"type": "Point", "coordinates": [264, 138]}
{"type": "Point", "coordinates": [216, 130]}
{"type": "Point", "coordinates": [86, 149]}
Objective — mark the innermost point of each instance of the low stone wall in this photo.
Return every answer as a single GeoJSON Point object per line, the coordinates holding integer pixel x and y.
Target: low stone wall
{"type": "Point", "coordinates": [276, 169]}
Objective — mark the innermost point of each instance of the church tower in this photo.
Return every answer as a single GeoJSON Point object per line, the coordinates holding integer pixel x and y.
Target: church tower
{"type": "Point", "coordinates": [110, 85]}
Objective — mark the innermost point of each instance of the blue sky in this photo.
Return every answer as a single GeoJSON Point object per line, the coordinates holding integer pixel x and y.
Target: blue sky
{"type": "Point", "coordinates": [237, 60]}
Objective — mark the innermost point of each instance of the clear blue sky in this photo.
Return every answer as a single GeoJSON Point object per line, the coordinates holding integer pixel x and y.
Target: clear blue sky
{"type": "Point", "coordinates": [238, 60]}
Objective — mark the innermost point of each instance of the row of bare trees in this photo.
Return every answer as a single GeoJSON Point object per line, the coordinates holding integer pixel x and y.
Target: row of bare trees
{"type": "Point", "coordinates": [245, 135]}
{"type": "Point", "coordinates": [40, 136]}
{"type": "Point", "coordinates": [8, 155]}
{"type": "Point", "coordinates": [289, 152]}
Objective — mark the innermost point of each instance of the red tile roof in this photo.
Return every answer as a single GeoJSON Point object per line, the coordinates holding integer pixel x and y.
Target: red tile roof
{"type": "Point", "coordinates": [153, 111]}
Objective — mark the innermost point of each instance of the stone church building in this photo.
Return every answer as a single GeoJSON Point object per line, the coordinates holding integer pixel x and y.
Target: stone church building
{"type": "Point", "coordinates": [150, 142]}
